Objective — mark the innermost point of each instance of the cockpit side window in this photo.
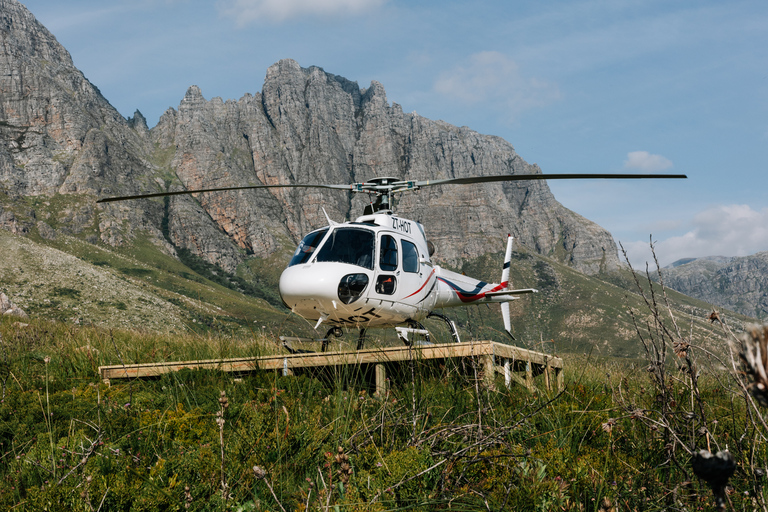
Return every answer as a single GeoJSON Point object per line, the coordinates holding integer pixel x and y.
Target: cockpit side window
{"type": "Point", "coordinates": [349, 245]}
{"type": "Point", "coordinates": [307, 247]}
{"type": "Point", "coordinates": [388, 254]}
{"type": "Point", "coordinates": [410, 257]}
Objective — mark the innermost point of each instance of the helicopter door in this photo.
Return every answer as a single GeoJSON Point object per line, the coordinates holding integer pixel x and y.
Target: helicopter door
{"type": "Point", "coordinates": [386, 280]}
{"type": "Point", "coordinates": [412, 288]}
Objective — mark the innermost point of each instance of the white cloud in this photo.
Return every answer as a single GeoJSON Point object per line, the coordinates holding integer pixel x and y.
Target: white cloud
{"type": "Point", "coordinates": [726, 230]}
{"type": "Point", "coordinates": [247, 11]}
{"type": "Point", "coordinates": [493, 77]}
{"type": "Point", "coordinates": [646, 162]}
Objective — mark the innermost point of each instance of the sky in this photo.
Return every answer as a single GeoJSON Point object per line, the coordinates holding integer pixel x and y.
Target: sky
{"type": "Point", "coordinates": [601, 86]}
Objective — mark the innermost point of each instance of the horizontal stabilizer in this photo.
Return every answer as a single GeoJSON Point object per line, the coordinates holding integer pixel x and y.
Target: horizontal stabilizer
{"type": "Point", "coordinates": [511, 292]}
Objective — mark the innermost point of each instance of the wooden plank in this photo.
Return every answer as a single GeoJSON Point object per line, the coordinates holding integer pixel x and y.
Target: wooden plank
{"type": "Point", "coordinates": [522, 354]}
{"type": "Point", "coordinates": [518, 379]}
{"type": "Point", "coordinates": [287, 363]}
{"type": "Point", "coordinates": [489, 371]}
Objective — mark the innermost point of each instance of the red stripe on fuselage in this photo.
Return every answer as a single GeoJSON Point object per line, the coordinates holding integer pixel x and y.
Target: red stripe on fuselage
{"type": "Point", "coordinates": [425, 284]}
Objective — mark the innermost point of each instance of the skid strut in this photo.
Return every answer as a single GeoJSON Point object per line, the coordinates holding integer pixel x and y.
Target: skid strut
{"type": "Point", "coordinates": [451, 324]}
{"type": "Point", "coordinates": [361, 340]}
{"type": "Point", "coordinates": [336, 332]}
{"type": "Point", "coordinates": [413, 328]}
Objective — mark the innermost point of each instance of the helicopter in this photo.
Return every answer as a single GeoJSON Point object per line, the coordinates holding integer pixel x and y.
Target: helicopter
{"type": "Point", "coordinates": [377, 271]}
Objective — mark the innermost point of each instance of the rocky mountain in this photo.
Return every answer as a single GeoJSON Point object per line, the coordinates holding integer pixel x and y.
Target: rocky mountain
{"type": "Point", "coordinates": [60, 136]}
{"type": "Point", "coordinates": [62, 145]}
{"type": "Point", "coordinates": [739, 284]}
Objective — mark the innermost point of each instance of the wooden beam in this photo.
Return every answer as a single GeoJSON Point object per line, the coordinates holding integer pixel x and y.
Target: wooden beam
{"type": "Point", "coordinates": [488, 351]}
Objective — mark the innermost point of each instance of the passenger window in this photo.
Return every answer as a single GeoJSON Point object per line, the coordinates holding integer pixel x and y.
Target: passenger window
{"type": "Point", "coordinates": [410, 257]}
{"type": "Point", "coordinates": [386, 284]}
{"type": "Point", "coordinates": [388, 253]}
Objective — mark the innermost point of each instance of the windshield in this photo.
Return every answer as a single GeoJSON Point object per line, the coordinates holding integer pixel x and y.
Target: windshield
{"type": "Point", "coordinates": [307, 247]}
{"type": "Point", "coordinates": [349, 245]}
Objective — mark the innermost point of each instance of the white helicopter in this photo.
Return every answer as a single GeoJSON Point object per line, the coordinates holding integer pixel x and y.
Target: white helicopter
{"type": "Point", "coordinates": [376, 271]}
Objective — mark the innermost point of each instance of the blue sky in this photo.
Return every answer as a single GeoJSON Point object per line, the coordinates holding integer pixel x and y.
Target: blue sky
{"type": "Point", "coordinates": [574, 86]}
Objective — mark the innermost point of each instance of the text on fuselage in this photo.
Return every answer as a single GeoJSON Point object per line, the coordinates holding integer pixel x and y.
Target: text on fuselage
{"type": "Point", "coordinates": [401, 225]}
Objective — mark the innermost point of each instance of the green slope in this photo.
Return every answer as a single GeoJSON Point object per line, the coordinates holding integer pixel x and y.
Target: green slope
{"type": "Point", "coordinates": [71, 279]}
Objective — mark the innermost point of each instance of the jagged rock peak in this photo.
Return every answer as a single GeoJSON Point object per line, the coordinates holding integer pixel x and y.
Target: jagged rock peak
{"type": "Point", "coordinates": [58, 135]}
{"type": "Point", "coordinates": [138, 122]}
{"type": "Point", "coordinates": [310, 126]}
{"type": "Point", "coordinates": [193, 94]}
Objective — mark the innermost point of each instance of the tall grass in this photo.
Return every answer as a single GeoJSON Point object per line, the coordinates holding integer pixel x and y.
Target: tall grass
{"type": "Point", "coordinates": [621, 436]}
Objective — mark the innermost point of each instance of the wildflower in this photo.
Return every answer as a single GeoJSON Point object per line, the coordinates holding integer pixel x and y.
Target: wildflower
{"type": "Point", "coordinates": [715, 470]}
{"type": "Point", "coordinates": [754, 358]}
{"type": "Point", "coordinates": [259, 472]}
{"type": "Point", "coordinates": [608, 425]}
{"type": "Point", "coordinates": [681, 347]}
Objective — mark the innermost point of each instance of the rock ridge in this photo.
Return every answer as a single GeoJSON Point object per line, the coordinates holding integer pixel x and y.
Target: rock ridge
{"type": "Point", "coordinates": [61, 139]}
{"type": "Point", "coordinates": [736, 283]}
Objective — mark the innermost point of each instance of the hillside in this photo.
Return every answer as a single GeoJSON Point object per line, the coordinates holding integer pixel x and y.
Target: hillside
{"type": "Point", "coordinates": [140, 287]}
{"type": "Point", "coordinates": [620, 436]}
{"type": "Point", "coordinates": [739, 284]}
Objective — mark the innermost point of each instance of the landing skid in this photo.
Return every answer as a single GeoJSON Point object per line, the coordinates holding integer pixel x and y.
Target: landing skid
{"type": "Point", "coordinates": [403, 333]}
{"type": "Point", "coordinates": [288, 339]}
{"type": "Point", "coordinates": [336, 332]}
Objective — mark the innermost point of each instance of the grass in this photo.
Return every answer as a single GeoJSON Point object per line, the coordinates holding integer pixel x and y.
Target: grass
{"type": "Point", "coordinates": [622, 435]}
{"type": "Point", "coordinates": [205, 440]}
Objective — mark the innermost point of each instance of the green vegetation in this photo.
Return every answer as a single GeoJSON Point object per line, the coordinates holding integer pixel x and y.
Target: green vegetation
{"type": "Point", "coordinates": [620, 434]}
{"type": "Point", "coordinates": [624, 433]}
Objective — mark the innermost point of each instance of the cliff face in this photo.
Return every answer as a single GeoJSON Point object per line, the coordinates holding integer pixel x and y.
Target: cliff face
{"type": "Point", "coordinates": [59, 136]}
{"type": "Point", "coordinates": [308, 126]}
{"type": "Point", "coordinates": [739, 284]}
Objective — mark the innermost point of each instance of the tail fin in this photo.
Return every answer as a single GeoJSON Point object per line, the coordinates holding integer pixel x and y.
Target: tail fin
{"type": "Point", "coordinates": [505, 283]}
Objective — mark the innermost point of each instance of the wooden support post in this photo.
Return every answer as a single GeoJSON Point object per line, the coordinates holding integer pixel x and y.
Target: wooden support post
{"type": "Point", "coordinates": [546, 375]}
{"type": "Point", "coordinates": [528, 375]}
{"type": "Point", "coordinates": [381, 380]}
{"type": "Point", "coordinates": [489, 371]}
{"type": "Point", "coordinates": [559, 377]}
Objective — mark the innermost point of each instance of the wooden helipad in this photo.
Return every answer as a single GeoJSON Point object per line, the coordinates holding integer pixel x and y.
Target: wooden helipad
{"type": "Point", "coordinates": [516, 364]}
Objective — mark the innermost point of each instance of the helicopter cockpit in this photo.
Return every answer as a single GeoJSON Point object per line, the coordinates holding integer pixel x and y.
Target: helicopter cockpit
{"type": "Point", "coordinates": [349, 245]}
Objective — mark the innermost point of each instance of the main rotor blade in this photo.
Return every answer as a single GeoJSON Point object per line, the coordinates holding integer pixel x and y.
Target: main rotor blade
{"type": "Point", "coordinates": [198, 191]}
{"type": "Point", "coordinates": [401, 186]}
{"type": "Point", "coordinates": [543, 176]}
